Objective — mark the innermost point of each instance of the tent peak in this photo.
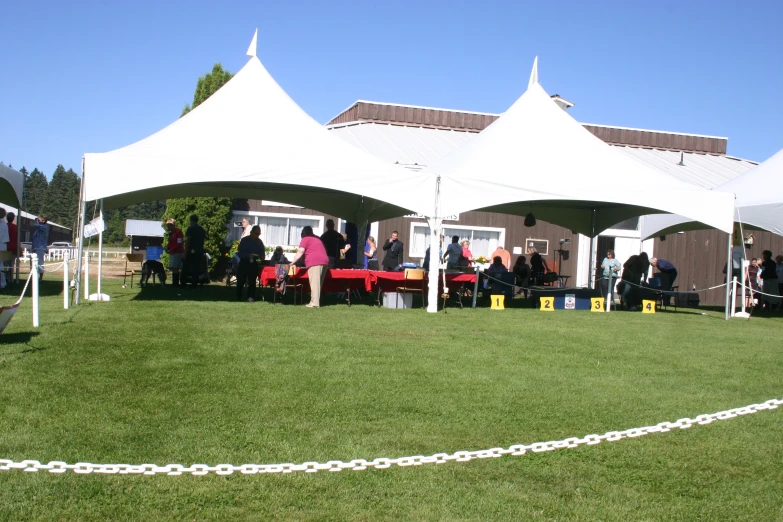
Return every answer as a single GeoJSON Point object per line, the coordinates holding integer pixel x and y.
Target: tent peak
{"type": "Point", "coordinates": [533, 74]}
{"type": "Point", "coordinates": [252, 51]}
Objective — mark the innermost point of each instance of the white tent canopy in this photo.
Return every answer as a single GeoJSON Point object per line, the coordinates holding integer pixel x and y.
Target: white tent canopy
{"type": "Point", "coordinates": [537, 158]}
{"type": "Point", "coordinates": [759, 202]}
{"type": "Point", "coordinates": [251, 140]}
{"type": "Point", "coordinates": [11, 186]}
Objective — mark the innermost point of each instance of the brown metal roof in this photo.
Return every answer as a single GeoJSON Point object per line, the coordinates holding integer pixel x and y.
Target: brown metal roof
{"type": "Point", "coordinates": [476, 121]}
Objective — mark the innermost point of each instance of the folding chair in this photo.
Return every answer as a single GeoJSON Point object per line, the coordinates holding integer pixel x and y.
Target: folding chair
{"type": "Point", "coordinates": [129, 270]}
{"type": "Point", "coordinates": [413, 275]}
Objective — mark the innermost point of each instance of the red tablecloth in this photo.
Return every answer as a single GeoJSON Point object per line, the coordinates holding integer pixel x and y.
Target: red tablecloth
{"type": "Point", "coordinates": [335, 280]}
{"type": "Point", "coordinates": [338, 280]}
{"type": "Point", "coordinates": [389, 281]}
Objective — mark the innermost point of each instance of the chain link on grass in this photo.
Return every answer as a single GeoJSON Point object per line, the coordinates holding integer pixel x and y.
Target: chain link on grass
{"type": "Point", "coordinates": [81, 468]}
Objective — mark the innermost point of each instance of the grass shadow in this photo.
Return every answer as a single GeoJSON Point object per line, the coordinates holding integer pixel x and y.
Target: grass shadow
{"type": "Point", "coordinates": [19, 338]}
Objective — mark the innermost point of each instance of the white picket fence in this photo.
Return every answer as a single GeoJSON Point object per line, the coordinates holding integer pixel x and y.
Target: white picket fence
{"type": "Point", "coordinates": [58, 254]}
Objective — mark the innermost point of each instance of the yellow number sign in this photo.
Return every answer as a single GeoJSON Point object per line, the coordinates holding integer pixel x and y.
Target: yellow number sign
{"type": "Point", "coordinates": [548, 304]}
{"type": "Point", "coordinates": [596, 304]}
{"type": "Point", "coordinates": [498, 301]}
{"type": "Point", "coordinates": [648, 307]}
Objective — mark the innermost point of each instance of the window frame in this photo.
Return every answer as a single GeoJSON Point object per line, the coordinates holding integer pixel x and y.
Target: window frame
{"type": "Point", "coordinates": [255, 214]}
{"type": "Point", "coordinates": [414, 224]}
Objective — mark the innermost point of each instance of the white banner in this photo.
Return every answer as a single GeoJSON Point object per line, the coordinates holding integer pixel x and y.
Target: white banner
{"type": "Point", "coordinates": [94, 227]}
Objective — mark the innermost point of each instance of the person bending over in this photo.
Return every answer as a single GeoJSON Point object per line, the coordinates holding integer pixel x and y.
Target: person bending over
{"type": "Point", "coordinates": [311, 248]}
{"type": "Point", "coordinates": [667, 268]}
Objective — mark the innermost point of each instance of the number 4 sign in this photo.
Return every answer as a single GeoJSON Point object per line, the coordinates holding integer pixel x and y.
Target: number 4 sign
{"type": "Point", "coordinates": [648, 307]}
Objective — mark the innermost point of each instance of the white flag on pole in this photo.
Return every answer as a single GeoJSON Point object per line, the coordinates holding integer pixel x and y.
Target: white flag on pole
{"type": "Point", "coordinates": [94, 227]}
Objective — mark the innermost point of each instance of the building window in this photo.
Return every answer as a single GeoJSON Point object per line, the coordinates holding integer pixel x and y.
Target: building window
{"type": "Point", "coordinates": [483, 240]}
{"type": "Point", "coordinates": [277, 229]}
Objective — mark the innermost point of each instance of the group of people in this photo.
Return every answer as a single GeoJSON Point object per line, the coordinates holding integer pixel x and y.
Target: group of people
{"type": "Point", "coordinates": [765, 277]}
{"type": "Point", "coordinates": [634, 274]}
{"type": "Point", "coordinates": [186, 252]}
{"type": "Point", "coordinates": [315, 254]}
{"type": "Point", "coordinates": [8, 241]}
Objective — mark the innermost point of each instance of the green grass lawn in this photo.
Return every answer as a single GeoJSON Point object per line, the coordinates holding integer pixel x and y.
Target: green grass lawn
{"type": "Point", "coordinates": [154, 377]}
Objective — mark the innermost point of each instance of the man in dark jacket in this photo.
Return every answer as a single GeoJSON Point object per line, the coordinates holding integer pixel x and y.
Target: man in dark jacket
{"type": "Point", "coordinates": [393, 247]}
{"type": "Point", "coordinates": [333, 242]}
{"type": "Point", "coordinates": [251, 254]}
{"type": "Point", "coordinates": [195, 236]}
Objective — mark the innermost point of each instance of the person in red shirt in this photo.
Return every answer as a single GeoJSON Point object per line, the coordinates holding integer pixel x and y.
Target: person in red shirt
{"type": "Point", "coordinates": [12, 231]}
{"type": "Point", "coordinates": [175, 248]}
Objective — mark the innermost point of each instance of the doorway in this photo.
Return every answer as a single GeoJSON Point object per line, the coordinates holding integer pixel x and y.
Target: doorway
{"type": "Point", "coordinates": [604, 243]}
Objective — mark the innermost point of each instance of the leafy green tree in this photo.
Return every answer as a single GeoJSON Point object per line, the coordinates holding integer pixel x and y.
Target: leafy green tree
{"type": "Point", "coordinates": [213, 213]}
{"type": "Point", "coordinates": [35, 186]}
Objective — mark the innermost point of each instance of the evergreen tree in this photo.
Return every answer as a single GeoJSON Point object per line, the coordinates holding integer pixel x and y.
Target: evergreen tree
{"type": "Point", "coordinates": [62, 197]}
{"type": "Point", "coordinates": [35, 186]}
{"type": "Point", "coordinates": [213, 213]}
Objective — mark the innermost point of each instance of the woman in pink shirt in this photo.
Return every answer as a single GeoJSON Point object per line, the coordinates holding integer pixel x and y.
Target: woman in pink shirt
{"type": "Point", "coordinates": [316, 262]}
{"type": "Point", "coordinates": [466, 253]}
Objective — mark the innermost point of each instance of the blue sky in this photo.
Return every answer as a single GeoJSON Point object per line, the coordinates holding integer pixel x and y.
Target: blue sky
{"type": "Point", "coordinates": [94, 76]}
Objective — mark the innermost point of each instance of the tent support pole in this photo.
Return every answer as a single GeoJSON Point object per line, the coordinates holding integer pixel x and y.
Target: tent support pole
{"type": "Point", "coordinates": [434, 268]}
{"type": "Point", "coordinates": [728, 276]}
{"type": "Point", "coordinates": [80, 237]}
{"type": "Point", "coordinates": [100, 257]}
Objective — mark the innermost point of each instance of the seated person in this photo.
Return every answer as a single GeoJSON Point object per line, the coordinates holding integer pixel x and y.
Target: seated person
{"type": "Point", "coordinates": [522, 275]}
{"type": "Point", "coordinates": [497, 267]}
{"type": "Point", "coordinates": [278, 257]}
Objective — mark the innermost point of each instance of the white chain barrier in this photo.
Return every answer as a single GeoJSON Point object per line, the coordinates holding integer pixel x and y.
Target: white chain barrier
{"type": "Point", "coordinates": [383, 463]}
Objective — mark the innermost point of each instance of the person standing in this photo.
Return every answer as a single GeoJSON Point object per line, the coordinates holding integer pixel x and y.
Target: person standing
{"type": "Point", "coordinates": [175, 248]}
{"type": "Point", "coordinates": [453, 253]}
{"type": "Point", "coordinates": [779, 261]}
{"type": "Point", "coordinates": [333, 243]}
{"type": "Point", "coordinates": [12, 233]}
{"type": "Point", "coordinates": [769, 281]}
{"type": "Point", "coordinates": [4, 240]}
{"type": "Point", "coordinates": [611, 268]}
{"type": "Point", "coordinates": [246, 228]}
{"type": "Point", "coordinates": [503, 254]}
{"type": "Point", "coordinates": [312, 249]}
{"type": "Point", "coordinates": [392, 261]}
{"type": "Point", "coordinates": [426, 262]}
{"type": "Point", "coordinates": [12, 240]}
{"type": "Point", "coordinates": [195, 236]}
{"type": "Point", "coordinates": [467, 254]}
{"type": "Point", "coordinates": [667, 268]}
{"type": "Point", "coordinates": [40, 241]}
{"type": "Point", "coordinates": [370, 254]}
{"type": "Point", "coordinates": [252, 253]}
